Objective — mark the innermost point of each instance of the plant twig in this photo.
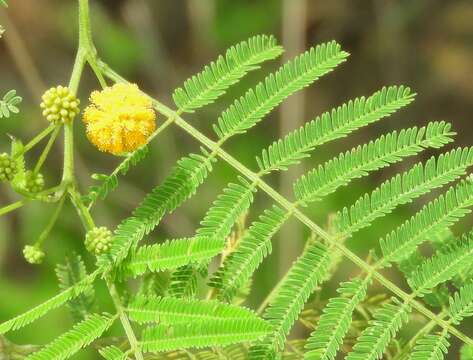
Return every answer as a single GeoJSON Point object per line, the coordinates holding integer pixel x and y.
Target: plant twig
{"type": "Point", "coordinates": [13, 206]}
{"type": "Point", "coordinates": [52, 221]}
{"type": "Point", "coordinates": [46, 150]}
{"type": "Point", "coordinates": [282, 201]}
{"type": "Point", "coordinates": [135, 347]}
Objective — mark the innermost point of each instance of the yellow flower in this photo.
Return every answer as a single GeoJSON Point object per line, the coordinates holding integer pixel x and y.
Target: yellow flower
{"type": "Point", "coordinates": [120, 119]}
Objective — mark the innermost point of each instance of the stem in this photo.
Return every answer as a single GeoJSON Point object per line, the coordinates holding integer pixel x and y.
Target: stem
{"type": "Point", "coordinates": [51, 223]}
{"type": "Point", "coordinates": [85, 53]}
{"type": "Point", "coordinates": [68, 169]}
{"type": "Point", "coordinates": [36, 139]}
{"type": "Point", "coordinates": [85, 30]}
{"type": "Point", "coordinates": [9, 208]}
{"type": "Point", "coordinates": [97, 71]}
{"type": "Point", "coordinates": [124, 320]}
{"type": "Point", "coordinates": [82, 210]}
{"type": "Point", "coordinates": [46, 150]}
{"type": "Point", "coordinates": [85, 49]}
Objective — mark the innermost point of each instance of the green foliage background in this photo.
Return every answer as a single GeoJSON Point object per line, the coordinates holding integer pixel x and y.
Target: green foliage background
{"type": "Point", "coordinates": [427, 45]}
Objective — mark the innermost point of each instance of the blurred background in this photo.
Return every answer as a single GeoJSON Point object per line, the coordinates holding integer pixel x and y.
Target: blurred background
{"type": "Point", "coordinates": [424, 44]}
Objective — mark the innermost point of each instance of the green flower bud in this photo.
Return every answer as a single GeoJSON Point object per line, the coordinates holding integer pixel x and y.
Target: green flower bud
{"type": "Point", "coordinates": [33, 254]}
{"type": "Point", "coordinates": [8, 168]}
{"type": "Point", "coordinates": [34, 183]}
{"type": "Point", "coordinates": [98, 240]}
{"type": "Point", "coordinates": [59, 105]}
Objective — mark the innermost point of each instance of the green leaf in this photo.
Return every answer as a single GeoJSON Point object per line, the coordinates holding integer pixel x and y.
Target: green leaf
{"type": "Point", "coordinates": [325, 341]}
{"type": "Point", "coordinates": [184, 281]}
{"type": "Point", "coordinates": [253, 247]}
{"type": "Point", "coordinates": [205, 87]}
{"type": "Point", "coordinates": [309, 270]}
{"type": "Point", "coordinates": [112, 353]}
{"type": "Point", "coordinates": [431, 347]}
{"type": "Point", "coordinates": [466, 352]}
{"type": "Point", "coordinates": [359, 161]}
{"type": "Point", "coordinates": [218, 222]}
{"type": "Point", "coordinates": [461, 304]}
{"type": "Point", "coordinates": [403, 188]}
{"type": "Point", "coordinates": [442, 266]}
{"type": "Point", "coordinates": [433, 218]}
{"type": "Point", "coordinates": [81, 335]}
{"type": "Point", "coordinates": [374, 340]}
{"type": "Point", "coordinates": [172, 254]}
{"type": "Point", "coordinates": [333, 125]}
{"type": "Point", "coordinates": [51, 304]}
{"type": "Point", "coordinates": [181, 184]}
{"type": "Point", "coordinates": [168, 310]}
{"type": "Point", "coordinates": [203, 334]}
{"type": "Point", "coordinates": [10, 99]}
{"type": "Point", "coordinates": [70, 273]}
{"type": "Point", "coordinates": [226, 210]}
{"type": "Point", "coordinates": [109, 182]}
{"type": "Point", "coordinates": [291, 77]}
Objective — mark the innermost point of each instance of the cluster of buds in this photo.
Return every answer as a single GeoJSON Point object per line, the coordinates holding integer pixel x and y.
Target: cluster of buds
{"type": "Point", "coordinates": [34, 182]}
{"type": "Point", "coordinates": [8, 168]}
{"type": "Point", "coordinates": [33, 254]}
{"type": "Point", "coordinates": [98, 240]}
{"type": "Point", "coordinates": [59, 105]}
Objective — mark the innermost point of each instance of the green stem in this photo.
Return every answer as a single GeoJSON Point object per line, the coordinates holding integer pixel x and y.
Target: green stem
{"type": "Point", "coordinates": [9, 208]}
{"type": "Point", "coordinates": [97, 71]}
{"type": "Point", "coordinates": [33, 142]}
{"type": "Point", "coordinates": [68, 169]}
{"type": "Point", "coordinates": [85, 30]}
{"type": "Point", "coordinates": [82, 210]}
{"type": "Point", "coordinates": [85, 50]}
{"type": "Point", "coordinates": [46, 150]}
{"type": "Point", "coordinates": [124, 320]}
{"type": "Point", "coordinates": [44, 235]}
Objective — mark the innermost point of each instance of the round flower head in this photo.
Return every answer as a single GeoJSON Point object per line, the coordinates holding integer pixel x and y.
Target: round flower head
{"type": "Point", "coordinates": [120, 119]}
{"type": "Point", "coordinates": [34, 183]}
{"type": "Point", "coordinates": [33, 254]}
{"type": "Point", "coordinates": [98, 240]}
{"type": "Point", "coordinates": [8, 168]}
{"type": "Point", "coordinates": [59, 105]}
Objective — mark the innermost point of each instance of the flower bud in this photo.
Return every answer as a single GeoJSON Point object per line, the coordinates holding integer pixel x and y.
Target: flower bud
{"type": "Point", "coordinates": [8, 168]}
{"type": "Point", "coordinates": [98, 240]}
{"type": "Point", "coordinates": [33, 254]}
{"type": "Point", "coordinates": [59, 105]}
{"type": "Point", "coordinates": [34, 183]}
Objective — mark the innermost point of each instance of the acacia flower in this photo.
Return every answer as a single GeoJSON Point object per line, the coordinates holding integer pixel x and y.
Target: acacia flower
{"type": "Point", "coordinates": [119, 119]}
